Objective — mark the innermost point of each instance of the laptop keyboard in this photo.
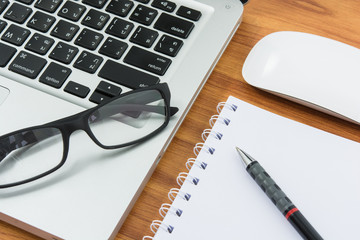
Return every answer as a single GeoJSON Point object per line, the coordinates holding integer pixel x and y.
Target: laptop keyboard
{"type": "Point", "coordinates": [125, 44]}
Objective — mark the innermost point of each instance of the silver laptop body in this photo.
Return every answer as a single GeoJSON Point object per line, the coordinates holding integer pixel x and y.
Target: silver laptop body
{"type": "Point", "coordinates": [91, 195]}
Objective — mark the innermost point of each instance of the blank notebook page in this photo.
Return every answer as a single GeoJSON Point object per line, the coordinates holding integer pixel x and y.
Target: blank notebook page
{"type": "Point", "coordinates": [318, 171]}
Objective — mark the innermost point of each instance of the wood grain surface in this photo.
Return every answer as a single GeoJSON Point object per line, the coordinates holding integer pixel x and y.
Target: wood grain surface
{"type": "Point", "coordinates": [339, 20]}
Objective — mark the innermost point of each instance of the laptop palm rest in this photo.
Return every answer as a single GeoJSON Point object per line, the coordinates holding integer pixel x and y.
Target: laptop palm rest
{"type": "Point", "coordinates": [4, 93]}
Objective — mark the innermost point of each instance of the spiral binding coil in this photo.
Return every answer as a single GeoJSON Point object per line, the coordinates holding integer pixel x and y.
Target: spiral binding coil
{"type": "Point", "coordinates": [177, 192]}
{"type": "Point", "coordinates": [199, 146]}
{"type": "Point", "coordinates": [147, 237]}
{"type": "Point", "coordinates": [221, 105]}
{"type": "Point", "coordinates": [216, 118]}
{"type": "Point", "coordinates": [156, 224]}
{"type": "Point", "coordinates": [192, 161]}
{"type": "Point", "coordinates": [167, 208]}
{"type": "Point", "coordinates": [208, 132]}
{"type": "Point", "coordinates": [183, 176]}
{"type": "Point", "coordinates": [219, 108]}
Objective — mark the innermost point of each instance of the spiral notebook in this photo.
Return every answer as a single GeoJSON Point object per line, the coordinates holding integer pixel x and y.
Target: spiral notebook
{"type": "Point", "coordinates": [319, 172]}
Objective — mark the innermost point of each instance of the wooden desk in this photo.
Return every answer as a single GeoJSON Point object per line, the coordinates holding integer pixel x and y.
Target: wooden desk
{"type": "Point", "coordinates": [338, 20]}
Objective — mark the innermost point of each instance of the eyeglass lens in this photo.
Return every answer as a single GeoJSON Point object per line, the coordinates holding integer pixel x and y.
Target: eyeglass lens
{"type": "Point", "coordinates": [128, 118]}
{"type": "Point", "coordinates": [28, 154]}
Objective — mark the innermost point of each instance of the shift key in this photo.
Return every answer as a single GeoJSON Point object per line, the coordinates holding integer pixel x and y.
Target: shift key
{"type": "Point", "coordinates": [27, 64]}
{"type": "Point", "coordinates": [147, 60]}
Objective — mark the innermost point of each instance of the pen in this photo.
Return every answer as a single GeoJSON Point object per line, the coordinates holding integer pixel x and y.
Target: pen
{"type": "Point", "coordinates": [278, 197]}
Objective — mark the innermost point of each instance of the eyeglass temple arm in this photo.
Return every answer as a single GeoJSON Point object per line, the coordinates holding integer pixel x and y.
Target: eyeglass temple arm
{"type": "Point", "coordinates": [112, 110]}
{"type": "Point", "coordinates": [173, 111]}
{"type": "Point", "coordinates": [19, 140]}
{"type": "Point", "coordinates": [150, 97]}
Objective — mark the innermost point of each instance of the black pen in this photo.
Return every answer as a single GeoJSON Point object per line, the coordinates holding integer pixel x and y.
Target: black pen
{"type": "Point", "coordinates": [278, 197]}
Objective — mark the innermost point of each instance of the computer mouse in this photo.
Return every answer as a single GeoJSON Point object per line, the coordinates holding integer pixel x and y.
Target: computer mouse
{"type": "Point", "coordinates": [312, 70]}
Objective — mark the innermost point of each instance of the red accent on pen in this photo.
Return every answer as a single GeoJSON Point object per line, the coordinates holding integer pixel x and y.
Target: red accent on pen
{"type": "Point", "coordinates": [291, 212]}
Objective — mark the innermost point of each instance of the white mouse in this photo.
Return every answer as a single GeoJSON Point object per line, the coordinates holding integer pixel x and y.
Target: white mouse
{"type": "Point", "coordinates": [315, 71]}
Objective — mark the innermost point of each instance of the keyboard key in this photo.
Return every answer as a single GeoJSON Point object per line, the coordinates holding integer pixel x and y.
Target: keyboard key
{"type": "Point", "coordinates": [17, 13]}
{"type": "Point", "coordinates": [189, 13]}
{"type": "Point", "coordinates": [119, 28]}
{"type": "Point", "coordinates": [130, 77]}
{"type": "Point", "coordinates": [55, 75]}
{"type": "Point", "coordinates": [48, 5]}
{"type": "Point", "coordinates": [7, 53]}
{"type": "Point", "coordinates": [173, 25]}
{"type": "Point", "coordinates": [108, 89]}
{"type": "Point", "coordinates": [143, 1]}
{"type": "Point", "coordinates": [15, 35]}
{"type": "Point", "coordinates": [39, 44]}
{"type": "Point", "coordinates": [3, 5]}
{"type": "Point", "coordinates": [65, 30]}
{"type": "Point", "coordinates": [148, 61]}
{"type": "Point", "coordinates": [95, 19]}
{"type": "Point", "coordinates": [144, 15]}
{"type": "Point", "coordinates": [64, 53]}
{"type": "Point", "coordinates": [144, 36]}
{"type": "Point", "coordinates": [77, 89]}
{"type": "Point", "coordinates": [169, 45]}
{"type": "Point", "coordinates": [41, 21]}
{"type": "Point", "coordinates": [113, 48]}
{"type": "Point", "coordinates": [72, 11]}
{"type": "Point", "coordinates": [164, 5]}
{"type": "Point", "coordinates": [95, 3]}
{"type": "Point", "coordinates": [89, 39]}
{"type": "Point", "coordinates": [88, 62]}
{"type": "Point", "coordinates": [27, 64]}
{"type": "Point", "coordinates": [120, 7]}
{"type": "Point", "coordinates": [2, 25]}
{"type": "Point", "coordinates": [26, 1]}
{"type": "Point", "coordinates": [98, 97]}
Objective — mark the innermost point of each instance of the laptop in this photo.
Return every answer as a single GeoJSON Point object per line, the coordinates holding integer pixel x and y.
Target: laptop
{"type": "Point", "coordinates": [59, 57]}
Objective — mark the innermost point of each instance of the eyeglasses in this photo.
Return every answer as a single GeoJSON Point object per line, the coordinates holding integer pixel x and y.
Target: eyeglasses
{"type": "Point", "coordinates": [127, 119]}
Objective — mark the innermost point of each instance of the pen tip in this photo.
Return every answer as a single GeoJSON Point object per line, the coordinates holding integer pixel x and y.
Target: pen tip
{"type": "Point", "coordinates": [241, 152]}
{"type": "Point", "coordinates": [244, 156]}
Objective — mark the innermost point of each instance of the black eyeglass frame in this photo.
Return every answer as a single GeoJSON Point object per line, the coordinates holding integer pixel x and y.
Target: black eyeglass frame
{"type": "Point", "coordinates": [79, 121]}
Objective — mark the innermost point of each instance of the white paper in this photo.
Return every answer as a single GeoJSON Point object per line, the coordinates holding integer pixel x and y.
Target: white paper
{"type": "Point", "coordinates": [318, 171]}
